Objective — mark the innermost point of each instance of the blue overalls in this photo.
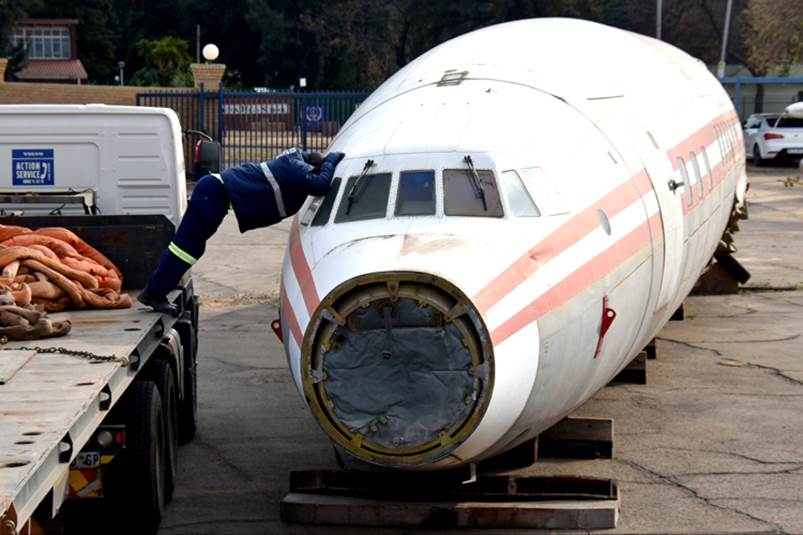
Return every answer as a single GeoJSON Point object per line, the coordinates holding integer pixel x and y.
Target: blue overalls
{"type": "Point", "coordinates": [251, 191]}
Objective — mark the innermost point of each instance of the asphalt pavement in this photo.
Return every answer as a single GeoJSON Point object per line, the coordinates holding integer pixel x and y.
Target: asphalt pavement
{"type": "Point", "coordinates": [712, 444]}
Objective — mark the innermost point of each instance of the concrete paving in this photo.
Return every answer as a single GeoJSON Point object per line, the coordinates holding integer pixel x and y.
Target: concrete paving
{"type": "Point", "coordinates": [712, 444]}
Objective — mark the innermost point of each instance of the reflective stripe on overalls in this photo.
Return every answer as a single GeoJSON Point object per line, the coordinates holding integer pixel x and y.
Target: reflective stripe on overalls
{"type": "Point", "coordinates": [181, 253]}
{"type": "Point", "coordinates": [277, 193]}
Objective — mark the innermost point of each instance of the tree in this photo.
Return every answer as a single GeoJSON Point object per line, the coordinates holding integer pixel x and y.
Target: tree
{"type": "Point", "coordinates": [166, 62]}
{"type": "Point", "coordinates": [775, 36]}
{"type": "Point", "coordinates": [12, 11]}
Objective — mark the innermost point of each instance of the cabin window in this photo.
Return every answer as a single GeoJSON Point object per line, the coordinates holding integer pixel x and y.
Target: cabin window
{"type": "Point", "coordinates": [519, 200]}
{"type": "Point", "coordinates": [542, 187]}
{"type": "Point", "coordinates": [311, 210]}
{"type": "Point", "coordinates": [467, 195]}
{"type": "Point", "coordinates": [687, 185]}
{"type": "Point", "coordinates": [416, 193]}
{"type": "Point", "coordinates": [729, 143]}
{"type": "Point", "coordinates": [325, 205]}
{"type": "Point", "coordinates": [365, 197]}
{"type": "Point", "coordinates": [719, 142]}
{"type": "Point", "coordinates": [697, 177]}
{"type": "Point", "coordinates": [710, 176]}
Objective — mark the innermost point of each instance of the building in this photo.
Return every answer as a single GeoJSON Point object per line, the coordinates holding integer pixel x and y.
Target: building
{"type": "Point", "coordinates": [52, 54]}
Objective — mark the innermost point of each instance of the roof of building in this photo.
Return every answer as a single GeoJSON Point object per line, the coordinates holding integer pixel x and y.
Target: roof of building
{"type": "Point", "coordinates": [52, 69]}
{"type": "Point", "coordinates": [47, 22]}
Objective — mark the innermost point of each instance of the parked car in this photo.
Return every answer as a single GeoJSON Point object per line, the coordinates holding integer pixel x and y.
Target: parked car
{"type": "Point", "coordinates": [774, 136]}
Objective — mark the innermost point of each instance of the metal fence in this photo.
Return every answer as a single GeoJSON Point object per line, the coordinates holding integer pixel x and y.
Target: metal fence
{"type": "Point", "coordinates": [777, 93]}
{"type": "Point", "coordinates": [254, 126]}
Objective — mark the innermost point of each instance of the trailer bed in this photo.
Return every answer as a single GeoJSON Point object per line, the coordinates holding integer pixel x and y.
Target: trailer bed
{"type": "Point", "coordinates": [51, 403]}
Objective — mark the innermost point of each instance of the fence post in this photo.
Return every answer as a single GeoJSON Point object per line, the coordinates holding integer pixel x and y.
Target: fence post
{"type": "Point", "coordinates": [201, 108]}
{"type": "Point", "coordinates": [304, 121]}
{"type": "Point", "coordinates": [220, 130]}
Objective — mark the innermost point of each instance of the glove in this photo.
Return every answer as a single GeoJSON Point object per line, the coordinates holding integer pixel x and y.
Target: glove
{"type": "Point", "coordinates": [335, 157]}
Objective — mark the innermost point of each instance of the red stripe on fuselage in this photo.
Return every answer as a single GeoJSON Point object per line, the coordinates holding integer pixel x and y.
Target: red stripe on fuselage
{"type": "Point", "coordinates": [589, 273]}
{"type": "Point", "coordinates": [561, 239]}
{"type": "Point", "coordinates": [705, 136]}
{"type": "Point", "coordinates": [302, 270]}
{"type": "Point", "coordinates": [584, 223]}
{"type": "Point", "coordinates": [290, 317]}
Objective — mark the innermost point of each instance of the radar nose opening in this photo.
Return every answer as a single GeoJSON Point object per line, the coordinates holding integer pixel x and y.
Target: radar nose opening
{"type": "Point", "coordinates": [398, 367]}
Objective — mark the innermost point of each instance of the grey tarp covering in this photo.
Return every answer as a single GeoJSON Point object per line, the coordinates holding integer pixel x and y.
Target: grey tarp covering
{"type": "Point", "coordinates": [408, 398]}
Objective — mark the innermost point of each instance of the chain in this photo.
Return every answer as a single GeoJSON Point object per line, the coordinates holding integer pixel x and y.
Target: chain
{"type": "Point", "coordinates": [88, 355]}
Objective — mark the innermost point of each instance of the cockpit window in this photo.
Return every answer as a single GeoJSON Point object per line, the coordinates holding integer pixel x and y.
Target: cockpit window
{"type": "Point", "coordinates": [462, 195]}
{"type": "Point", "coordinates": [326, 203]}
{"type": "Point", "coordinates": [368, 200]}
{"type": "Point", "coordinates": [521, 204]}
{"type": "Point", "coordinates": [416, 193]}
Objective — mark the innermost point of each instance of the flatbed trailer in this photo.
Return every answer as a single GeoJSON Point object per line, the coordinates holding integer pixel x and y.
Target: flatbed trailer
{"type": "Point", "coordinates": [90, 422]}
{"type": "Point", "coordinates": [53, 403]}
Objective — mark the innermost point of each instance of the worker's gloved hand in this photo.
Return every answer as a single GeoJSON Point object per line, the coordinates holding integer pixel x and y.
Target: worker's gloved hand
{"type": "Point", "coordinates": [335, 157]}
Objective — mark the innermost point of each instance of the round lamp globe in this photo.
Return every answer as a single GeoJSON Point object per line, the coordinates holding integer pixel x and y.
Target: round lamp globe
{"type": "Point", "coordinates": [210, 52]}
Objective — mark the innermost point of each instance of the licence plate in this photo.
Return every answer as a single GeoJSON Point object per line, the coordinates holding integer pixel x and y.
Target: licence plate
{"type": "Point", "coordinates": [87, 459]}
{"type": "Point", "coordinates": [794, 151]}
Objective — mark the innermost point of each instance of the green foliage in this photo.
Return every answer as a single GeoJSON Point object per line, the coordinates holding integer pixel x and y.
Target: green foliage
{"type": "Point", "coordinates": [10, 12]}
{"type": "Point", "coordinates": [774, 36]}
{"type": "Point", "coordinates": [356, 44]}
{"type": "Point", "coordinates": [166, 62]}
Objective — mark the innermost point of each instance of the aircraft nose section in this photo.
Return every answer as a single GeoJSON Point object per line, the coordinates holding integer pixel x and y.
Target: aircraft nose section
{"type": "Point", "coordinates": [397, 367]}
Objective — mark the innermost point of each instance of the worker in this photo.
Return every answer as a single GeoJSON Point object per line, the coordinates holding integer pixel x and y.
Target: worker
{"type": "Point", "coordinates": [260, 196]}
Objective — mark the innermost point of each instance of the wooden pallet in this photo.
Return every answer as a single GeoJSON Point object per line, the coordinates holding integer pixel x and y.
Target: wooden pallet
{"type": "Point", "coordinates": [442, 500]}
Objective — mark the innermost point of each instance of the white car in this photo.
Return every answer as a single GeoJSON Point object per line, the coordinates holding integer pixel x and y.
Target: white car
{"type": "Point", "coordinates": [773, 136]}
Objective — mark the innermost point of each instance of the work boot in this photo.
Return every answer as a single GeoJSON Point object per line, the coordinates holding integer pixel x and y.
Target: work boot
{"type": "Point", "coordinates": [157, 303]}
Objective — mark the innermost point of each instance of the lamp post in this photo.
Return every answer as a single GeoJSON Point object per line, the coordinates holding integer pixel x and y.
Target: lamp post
{"type": "Point", "coordinates": [120, 65]}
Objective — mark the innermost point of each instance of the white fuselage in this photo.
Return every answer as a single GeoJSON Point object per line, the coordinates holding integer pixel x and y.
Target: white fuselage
{"type": "Point", "coordinates": [630, 150]}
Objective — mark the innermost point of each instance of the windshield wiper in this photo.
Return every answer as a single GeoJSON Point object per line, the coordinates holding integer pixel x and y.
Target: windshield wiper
{"type": "Point", "coordinates": [355, 191]}
{"type": "Point", "coordinates": [478, 187]}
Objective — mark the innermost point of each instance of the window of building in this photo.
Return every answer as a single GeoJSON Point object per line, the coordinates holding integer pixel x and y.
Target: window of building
{"type": "Point", "coordinates": [365, 197]}
{"type": "Point", "coordinates": [686, 184]}
{"type": "Point", "coordinates": [416, 193]}
{"type": "Point", "coordinates": [464, 195]}
{"type": "Point", "coordinates": [43, 43]}
{"type": "Point", "coordinates": [707, 169]}
{"type": "Point", "coordinates": [521, 204]}
{"type": "Point", "coordinates": [696, 167]}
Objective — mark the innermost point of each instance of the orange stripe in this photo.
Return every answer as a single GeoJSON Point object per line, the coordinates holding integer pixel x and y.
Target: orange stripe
{"type": "Point", "coordinates": [705, 136]}
{"type": "Point", "coordinates": [561, 239]}
{"type": "Point", "coordinates": [301, 269]}
{"type": "Point", "coordinates": [592, 271]}
{"type": "Point", "coordinates": [290, 317]}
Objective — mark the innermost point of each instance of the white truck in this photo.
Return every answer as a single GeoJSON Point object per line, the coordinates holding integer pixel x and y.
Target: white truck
{"type": "Point", "coordinates": [90, 423]}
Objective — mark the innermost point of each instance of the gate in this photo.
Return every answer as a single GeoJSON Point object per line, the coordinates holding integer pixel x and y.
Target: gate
{"type": "Point", "coordinates": [253, 126]}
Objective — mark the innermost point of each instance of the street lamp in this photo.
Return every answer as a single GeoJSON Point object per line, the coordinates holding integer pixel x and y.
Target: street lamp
{"type": "Point", "coordinates": [120, 65]}
{"type": "Point", "coordinates": [210, 52]}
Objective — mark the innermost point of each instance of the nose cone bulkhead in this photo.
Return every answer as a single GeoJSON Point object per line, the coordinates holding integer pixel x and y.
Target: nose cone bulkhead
{"type": "Point", "coordinates": [397, 367]}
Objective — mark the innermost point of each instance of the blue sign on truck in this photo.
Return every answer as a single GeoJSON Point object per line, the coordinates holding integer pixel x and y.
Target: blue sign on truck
{"type": "Point", "coordinates": [32, 167]}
